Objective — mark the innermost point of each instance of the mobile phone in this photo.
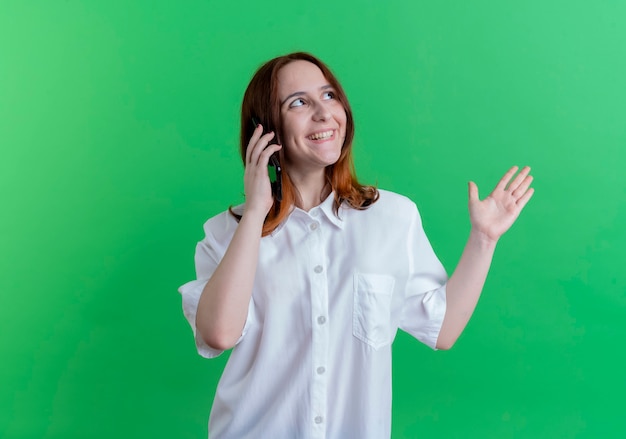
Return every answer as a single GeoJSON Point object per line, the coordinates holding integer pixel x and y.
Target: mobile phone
{"type": "Point", "coordinates": [273, 167]}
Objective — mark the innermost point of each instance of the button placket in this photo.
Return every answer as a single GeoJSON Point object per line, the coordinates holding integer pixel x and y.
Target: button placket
{"type": "Point", "coordinates": [320, 330]}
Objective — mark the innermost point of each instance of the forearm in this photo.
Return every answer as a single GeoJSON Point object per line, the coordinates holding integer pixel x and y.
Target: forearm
{"type": "Point", "coordinates": [464, 287]}
{"type": "Point", "coordinates": [223, 305]}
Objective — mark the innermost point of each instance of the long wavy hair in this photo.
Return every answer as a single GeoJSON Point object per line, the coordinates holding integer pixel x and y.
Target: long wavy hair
{"type": "Point", "coordinates": [261, 101]}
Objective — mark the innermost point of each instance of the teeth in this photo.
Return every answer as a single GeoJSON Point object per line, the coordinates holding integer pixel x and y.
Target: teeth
{"type": "Point", "coordinates": [320, 136]}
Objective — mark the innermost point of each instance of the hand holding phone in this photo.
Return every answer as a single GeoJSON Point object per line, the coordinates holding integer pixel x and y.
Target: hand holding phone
{"type": "Point", "coordinates": [273, 167]}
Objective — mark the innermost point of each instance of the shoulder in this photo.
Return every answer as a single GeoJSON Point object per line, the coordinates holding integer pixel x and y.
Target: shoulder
{"type": "Point", "coordinates": [393, 204]}
{"type": "Point", "coordinates": [391, 209]}
{"type": "Point", "coordinates": [221, 227]}
{"type": "Point", "coordinates": [390, 199]}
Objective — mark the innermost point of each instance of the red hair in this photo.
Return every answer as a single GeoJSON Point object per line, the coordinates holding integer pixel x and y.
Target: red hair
{"type": "Point", "coordinates": [261, 102]}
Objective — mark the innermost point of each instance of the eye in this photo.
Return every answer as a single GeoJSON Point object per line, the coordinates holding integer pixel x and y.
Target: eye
{"type": "Point", "coordinates": [329, 95]}
{"type": "Point", "coordinates": [297, 103]}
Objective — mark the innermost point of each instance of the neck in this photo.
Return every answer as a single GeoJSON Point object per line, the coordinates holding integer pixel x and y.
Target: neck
{"type": "Point", "coordinates": [312, 189]}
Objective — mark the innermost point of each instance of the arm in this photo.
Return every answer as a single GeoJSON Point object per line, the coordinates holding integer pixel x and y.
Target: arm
{"type": "Point", "coordinates": [223, 305]}
{"type": "Point", "coordinates": [490, 219]}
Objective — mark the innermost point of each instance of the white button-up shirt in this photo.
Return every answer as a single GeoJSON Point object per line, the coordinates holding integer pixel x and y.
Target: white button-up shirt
{"type": "Point", "coordinates": [314, 359]}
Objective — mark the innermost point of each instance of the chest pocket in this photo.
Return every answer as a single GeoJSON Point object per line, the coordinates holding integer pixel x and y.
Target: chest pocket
{"type": "Point", "coordinates": [371, 319]}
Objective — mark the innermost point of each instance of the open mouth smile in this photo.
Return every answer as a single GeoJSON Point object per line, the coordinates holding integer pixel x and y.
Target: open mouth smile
{"type": "Point", "coordinates": [323, 135]}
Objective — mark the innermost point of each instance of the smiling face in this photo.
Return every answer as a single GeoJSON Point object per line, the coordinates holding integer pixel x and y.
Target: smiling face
{"type": "Point", "coordinates": [313, 119]}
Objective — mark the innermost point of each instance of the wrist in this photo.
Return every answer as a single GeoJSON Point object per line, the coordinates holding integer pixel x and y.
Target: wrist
{"type": "Point", "coordinates": [481, 240]}
{"type": "Point", "coordinates": [254, 215]}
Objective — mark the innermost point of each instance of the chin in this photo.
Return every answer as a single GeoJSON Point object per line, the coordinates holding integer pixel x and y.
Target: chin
{"type": "Point", "coordinates": [332, 160]}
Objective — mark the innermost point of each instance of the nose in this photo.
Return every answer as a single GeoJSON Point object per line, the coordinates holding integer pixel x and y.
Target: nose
{"type": "Point", "coordinates": [321, 112]}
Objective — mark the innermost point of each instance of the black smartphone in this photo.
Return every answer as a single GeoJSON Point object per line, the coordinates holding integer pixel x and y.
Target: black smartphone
{"type": "Point", "coordinates": [273, 167]}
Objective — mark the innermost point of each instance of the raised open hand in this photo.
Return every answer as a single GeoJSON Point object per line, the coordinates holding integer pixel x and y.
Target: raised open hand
{"type": "Point", "coordinates": [495, 214]}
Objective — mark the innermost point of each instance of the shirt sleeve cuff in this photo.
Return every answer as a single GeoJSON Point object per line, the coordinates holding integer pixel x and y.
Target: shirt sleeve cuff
{"type": "Point", "coordinates": [423, 316]}
{"type": "Point", "coordinates": [191, 292]}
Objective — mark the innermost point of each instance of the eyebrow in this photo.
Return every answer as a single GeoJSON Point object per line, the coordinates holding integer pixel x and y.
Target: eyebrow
{"type": "Point", "coordinates": [301, 93]}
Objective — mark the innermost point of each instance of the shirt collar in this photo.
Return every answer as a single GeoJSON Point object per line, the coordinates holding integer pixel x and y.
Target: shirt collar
{"type": "Point", "coordinates": [325, 208]}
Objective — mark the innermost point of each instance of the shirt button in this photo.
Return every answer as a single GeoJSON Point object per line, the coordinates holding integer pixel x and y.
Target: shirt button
{"type": "Point", "coordinates": [321, 320]}
{"type": "Point", "coordinates": [315, 212]}
{"type": "Point", "coordinates": [318, 419]}
{"type": "Point", "coordinates": [314, 226]}
{"type": "Point", "coordinates": [321, 370]}
{"type": "Point", "coordinates": [318, 269]}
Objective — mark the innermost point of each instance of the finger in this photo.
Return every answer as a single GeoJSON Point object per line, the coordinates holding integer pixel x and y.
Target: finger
{"type": "Point", "coordinates": [521, 189]}
{"type": "Point", "coordinates": [261, 166]}
{"type": "Point", "coordinates": [259, 147]}
{"type": "Point", "coordinates": [524, 198]}
{"type": "Point", "coordinates": [519, 179]}
{"type": "Point", "coordinates": [506, 178]}
{"type": "Point", "coordinates": [264, 159]}
{"type": "Point", "coordinates": [472, 192]}
{"type": "Point", "coordinates": [256, 135]}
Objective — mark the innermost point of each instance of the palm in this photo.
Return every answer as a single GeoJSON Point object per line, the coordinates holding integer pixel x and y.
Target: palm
{"type": "Point", "coordinates": [494, 215]}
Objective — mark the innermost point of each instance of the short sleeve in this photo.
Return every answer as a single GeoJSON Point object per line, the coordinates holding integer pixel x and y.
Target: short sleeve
{"type": "Point", "coordinates": [207, 258]}
{"type": "Point", "coordinates": [425, 294]}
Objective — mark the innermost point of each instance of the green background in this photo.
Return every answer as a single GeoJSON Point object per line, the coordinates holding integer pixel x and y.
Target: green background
{"type": "Point", "coordinates": [118, 137]}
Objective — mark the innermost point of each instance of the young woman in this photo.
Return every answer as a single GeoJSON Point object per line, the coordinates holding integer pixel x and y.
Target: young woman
{"type": "Point", "coordinates": [311, 290]}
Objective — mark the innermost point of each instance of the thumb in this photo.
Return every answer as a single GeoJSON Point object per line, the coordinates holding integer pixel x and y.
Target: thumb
{"type": "Point", "coordinates": [473, 191]}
